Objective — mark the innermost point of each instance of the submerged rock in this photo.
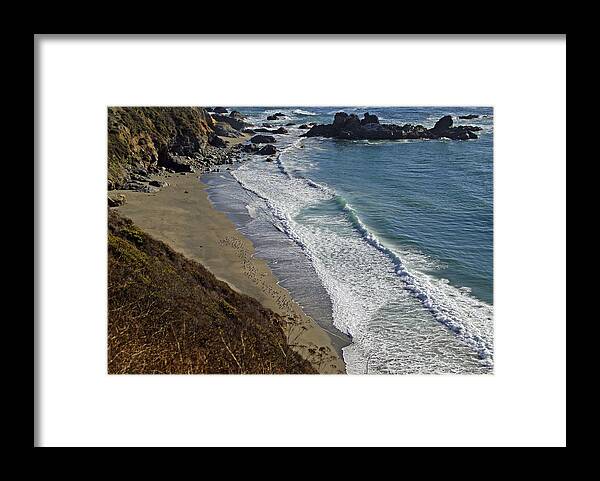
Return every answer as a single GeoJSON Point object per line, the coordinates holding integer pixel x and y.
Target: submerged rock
{"type": "Point", "coordinates": [263, 139]}
{"type": "Point", "coordinates": [267, 150]}
{"type": "Point", "coordinates": [250, 148]}
{"type": "Point", "coordinates": [468, 117]}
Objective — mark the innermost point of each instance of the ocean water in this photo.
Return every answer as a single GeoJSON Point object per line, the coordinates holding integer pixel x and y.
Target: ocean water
{"type": "Point", "coordinates": [386, 244]}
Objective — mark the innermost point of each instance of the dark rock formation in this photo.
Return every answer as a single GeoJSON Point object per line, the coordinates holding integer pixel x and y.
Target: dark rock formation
{"type": "Point", "coordinates": [468, 117]}
{"type": "Point", "coordinates": [250, 148]}
{"type": "Point", "coordinates": [272, 117]}
{"type": "Point", "coordinates": [234, 114]}
{"type": "Point", "coordinates": [175, 163]}
{"type": "Point", "coordinates": [267, 125]}
{"type": "Point", "coordinates": [225, 130]}
{"type": "Point", "coordinates": [289, 124]}
{"type": "Point", "coordinates": [215, 141]}
{"type": "Point", "coordinates": [263, 139]}
{"type": "Point", "coordinates": [140, 187]}
{"type": "Point", "coordinates": [235, 122]}
{"type": "Point", "coordinates": [443, 124]}
{"type": "Point", "coordinates": [220, 110]}
{"type": "Point", "coordinates": [304, 127]}
{"type": "Point", "coordinates": [267, 150]}
{"type": "Point", "coordinates": [350, 127]}
{"type": "Point", "coordinates": [158, 183]}
{"type": "Point", "coordinates": [369, 119]}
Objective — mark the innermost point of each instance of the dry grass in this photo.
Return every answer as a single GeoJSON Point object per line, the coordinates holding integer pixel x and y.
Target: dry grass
{"type": "Point", "coordinates": [168, 314]}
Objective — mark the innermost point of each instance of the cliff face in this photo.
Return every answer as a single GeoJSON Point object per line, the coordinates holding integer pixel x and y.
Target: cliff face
{"type": "Point", "coordinates": [168, 314]}
{"type": "Point", "coordinates": [145, 137]}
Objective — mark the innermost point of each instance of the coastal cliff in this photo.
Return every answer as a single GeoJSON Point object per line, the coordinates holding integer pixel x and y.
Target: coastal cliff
{"type": "Point", "coordinates": [167, 312]}
{"type": "Point", "coordinates": [143, 140]}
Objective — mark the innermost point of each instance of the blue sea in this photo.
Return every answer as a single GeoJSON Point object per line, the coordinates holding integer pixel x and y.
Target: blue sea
{"type": "Point", "coordinates": [388, 245]}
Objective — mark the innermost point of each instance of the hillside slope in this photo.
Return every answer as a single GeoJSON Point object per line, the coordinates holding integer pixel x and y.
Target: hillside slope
{"type": "Point", "coordinates": [144, 137]}
{"type": "Point", "coordinates": [168, 314]}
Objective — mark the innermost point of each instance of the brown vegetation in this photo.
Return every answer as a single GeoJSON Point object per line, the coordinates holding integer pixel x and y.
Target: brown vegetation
{"type": "Point", "coordinates": [168, 314]}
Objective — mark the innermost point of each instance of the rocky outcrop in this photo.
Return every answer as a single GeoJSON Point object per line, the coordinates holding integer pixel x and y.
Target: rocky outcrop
{"type": "Point", "coordinates": [443, 124]}
{"type": "Point", "coordinates": [223, 129]}
{"type": "Point", "coordinates": [220, 110]}
{"type": "Point", "coordinates": [350, 127]}
{"type": "Point", "coordinates": [267, 150]}
{"type": "Point", "coordinates": [144, 137]}
{"type": "Point", "coordinates": [216, 141]}
{"type": "Point", "coordinates": [250, 148]}
{"type": "Point", "coordinates": [263, 139]}
{"type": "Point", "coordinates": [116, 200]}
{"type": "Point", "coordinates": [236, 122]}
{"type": "Point", "coordinates": [468, 117]}
{"type": "Point", "coordinates": [369, 119]}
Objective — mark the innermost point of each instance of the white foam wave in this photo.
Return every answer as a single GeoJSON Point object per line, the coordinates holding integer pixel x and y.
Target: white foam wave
{"type": "Point", "coordinates": [444, 314]}
{"type": "Point", "coordinates": [349, 269]}
{"type": "Point", "coordinates": [303, 112]}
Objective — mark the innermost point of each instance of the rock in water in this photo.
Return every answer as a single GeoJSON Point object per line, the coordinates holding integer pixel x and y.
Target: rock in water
{"type": "Point", "coordinates": [263, 139]}
{"type": "Point", "coordinates": [267, 150]}
{"type": "Point", "coordinates": [350, 127]}
{"type": "Point", "coordinates": [250, 148]}
{"type": "Point", "coordinates": [369, 119]}
{"type": "Point", "coordinates": [339, 119]}
{"type": "Point", "coordinates": [468, 117]}
{"type": "Point", "coordinates": [234, 114]}
{"type": "Point", "coordinates": [444, 123]}
{"type": "Point", "coordinates": [220, 110]}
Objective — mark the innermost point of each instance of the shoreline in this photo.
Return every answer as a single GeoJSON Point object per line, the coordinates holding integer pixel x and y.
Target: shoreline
{"type": "Point", "coordinates": [182, 216]}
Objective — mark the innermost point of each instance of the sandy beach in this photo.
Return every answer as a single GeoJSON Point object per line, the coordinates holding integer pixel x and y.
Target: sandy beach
{"type": "Point", "coordinates": [182, 216]}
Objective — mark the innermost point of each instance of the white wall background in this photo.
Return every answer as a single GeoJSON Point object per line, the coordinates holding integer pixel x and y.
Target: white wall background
{"type": "Point", "coordinates": [522, 404]}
